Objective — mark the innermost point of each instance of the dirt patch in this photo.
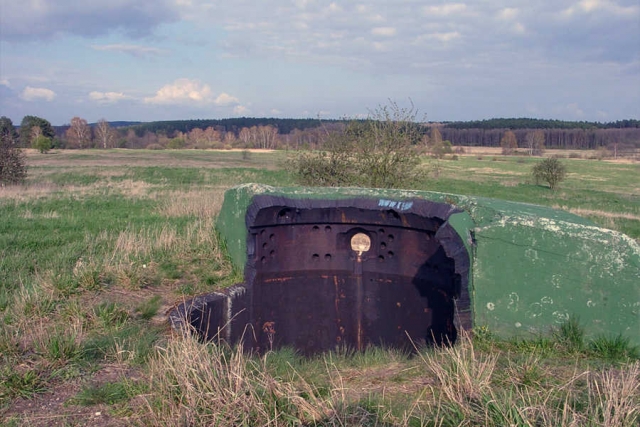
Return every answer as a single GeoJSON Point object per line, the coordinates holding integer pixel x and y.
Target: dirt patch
{"type": "Point", "coordinates": [393, 380]}
{"type": "Point", "coordinates": [53, 408]}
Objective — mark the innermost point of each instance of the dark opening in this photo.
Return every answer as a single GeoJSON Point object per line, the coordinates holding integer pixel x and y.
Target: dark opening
{"type": "Point", "coordinates": [346, 273]}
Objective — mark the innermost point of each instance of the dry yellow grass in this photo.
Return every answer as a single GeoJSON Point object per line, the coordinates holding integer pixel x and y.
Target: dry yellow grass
{"type": "Point", "coordinates": [224, 388]}
{"type": "Point", "coordinates": [604, 214]}
{"type": "Point", "coordinates": [199, 203]}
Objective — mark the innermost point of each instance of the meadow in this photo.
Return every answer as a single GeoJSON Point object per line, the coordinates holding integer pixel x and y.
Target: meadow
{"type": "Point", "coordinates": [98, 245]}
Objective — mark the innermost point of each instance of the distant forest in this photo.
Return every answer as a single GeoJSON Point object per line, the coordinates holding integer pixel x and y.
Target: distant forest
{"type": "Point", "coordinates": [274, 133]}
{"type": "Point", "coordinates": [525, 123]}
{"type": "Point", "coordinates": [310, 133]}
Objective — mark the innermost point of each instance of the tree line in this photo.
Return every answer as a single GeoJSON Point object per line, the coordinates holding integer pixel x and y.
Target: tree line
{"type": "Point", "coordinates": [573, 138]}
{"type": "Point", "coordinates": [528, 123]}
{"type": "Point", "coordinates": [296, 134]}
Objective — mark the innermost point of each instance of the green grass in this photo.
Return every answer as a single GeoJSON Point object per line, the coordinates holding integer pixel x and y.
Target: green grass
{"type": "Point", "coordinates": [149, 308]}
{"type": "Point", "coordinates": [99, 244]}
{"type": "Point", "coordinates": [570, 335]}
{"type": "Point", "coordinates": [21, 384]}
{"type": "Point", "coordinates": [110, 315]}
{"type": "Point", "coordinates": [109, 393]}
{"type": "Point", "coordinates": [614, 349]}
{"type": "Point", "coordinates": [607, 191]}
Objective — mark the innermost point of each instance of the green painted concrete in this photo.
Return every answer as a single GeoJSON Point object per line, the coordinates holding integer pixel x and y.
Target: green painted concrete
{"type": "Point", "coordinates": [532, 266]}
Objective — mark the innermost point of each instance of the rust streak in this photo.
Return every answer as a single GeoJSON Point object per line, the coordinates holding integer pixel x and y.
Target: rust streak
{"type": "Point", "coordinates": [277, 279]}
{"type": "Point", "coordinates": [359, 298]}
{"type": "Point", "coordinates": [337, 297]}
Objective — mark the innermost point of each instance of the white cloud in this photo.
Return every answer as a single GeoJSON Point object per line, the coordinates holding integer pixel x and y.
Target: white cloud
{"type": "Point", "coordinates": [384, 31]}
{"type": "Point", "coordinates": [108, 97]}
{"type": "Point", "coordinates": [182, 91]}
{"type": "Point", "coordinates": [130, 49]}
{"type": "Point", "coordinates": [240, 110]}
{"type": "Point", "coordinates": [334, 7]}
{"type": "Point", "coordinates": [188, 91]}
{"type": "Point", "coordinates": [440, 37]}
{"type": "Point", "coordinates": [226, 99]}
{"type": "Point", "coordinates": [508, 13]}
{"type": "Point", "coordinates": [592, 6]}
{"type": "Point", "coordinates": [380, 46]}
{"type": "Point", "coordinates": [5, 82]}
{"type": "Point", "coordinates": [34, 93]}
{"type": "Point", "coordinates": [445, 9]}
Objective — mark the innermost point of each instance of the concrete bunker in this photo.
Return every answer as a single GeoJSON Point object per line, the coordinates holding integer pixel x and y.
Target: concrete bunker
{"type": "Point", "coordinates": [328, 273]}
{"type": "Point", "coordinates": [517, 269]}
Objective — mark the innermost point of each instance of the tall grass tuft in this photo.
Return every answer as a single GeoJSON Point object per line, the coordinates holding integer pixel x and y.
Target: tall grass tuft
{"type": "Point", "coordinates": [224, 387]}
{"type": "Point", "coordinates": [617, 396]}
{"type": "Point", "coordinates": [570, 335]}
{"type": "Point", "coordinates": [617, 348]}
{"type": "Point", "coordinates": [60, 345]}
{"type": "Point", "coordinates": [463, 374]}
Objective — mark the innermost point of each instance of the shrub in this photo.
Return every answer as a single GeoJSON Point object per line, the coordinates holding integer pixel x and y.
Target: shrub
{"type": "Point", "coordinates": [13, 168]}
{"type": "Point", "coordinates": [377, 152]}
{"type": "Point", "coordinates": [439, 149]}
{"type": "Point", "coordinates": [602, 153]}
{"type": "Point", "coordinates": [550, 170]}
{"type": "Point", "coordinates": [42, 144]}
{"type": "Point", "coordinates": [175, 143]}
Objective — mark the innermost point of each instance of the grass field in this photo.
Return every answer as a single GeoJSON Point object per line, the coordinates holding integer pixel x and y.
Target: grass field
{"type": "Point", "coordinates": [98, 245]}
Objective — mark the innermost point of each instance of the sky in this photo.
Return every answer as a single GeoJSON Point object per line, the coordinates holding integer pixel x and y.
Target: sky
{"type": "Point", "coordinates": [147, 60]}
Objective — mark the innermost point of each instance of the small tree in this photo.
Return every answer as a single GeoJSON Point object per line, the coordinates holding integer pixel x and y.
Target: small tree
{"type": "Point", "coordinates": [509, 143]}
{"type": "Point", "coordinates": [105, 135]}
{"type": "Point", "coordinates": [550, 170]}
{"type": "Point", "coordinates": [440, 149]}
{"type": "Point", "coordinates": [7, 130]}
{"type": "Point", "coordinates": [380, 151]}
{"type": "Point", "coordinates": [79, 133]}
{"type": "Point", "coordinates": [535, 142]}
{"type": "Point", "coordinates": [42, 144]}
{"type": "Point", "coordinates": [32, 127]}
{"type": "Point", "coordinates": [13, 168]}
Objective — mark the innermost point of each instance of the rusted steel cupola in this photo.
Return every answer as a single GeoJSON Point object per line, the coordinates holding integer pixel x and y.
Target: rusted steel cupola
{"type": "Point", "coordinates": [322, 273]}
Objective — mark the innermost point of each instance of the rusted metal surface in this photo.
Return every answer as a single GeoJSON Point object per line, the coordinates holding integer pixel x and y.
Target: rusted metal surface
{"type": "Point", "coordinates": [348, 276]}
{"type": "Point", "coordinates": [323, 275]}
